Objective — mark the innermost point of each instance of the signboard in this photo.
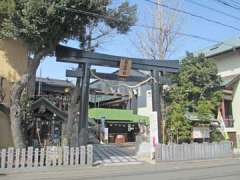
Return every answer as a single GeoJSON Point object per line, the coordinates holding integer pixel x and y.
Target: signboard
{"type": "Point", "coordinates": [105, 134]}
{"type": "Point", "coordinates": [125, 68]}
{"type": "Point", "coordinates": [201, 132]}
{"type": "Point", "coordinates": [153, 131]}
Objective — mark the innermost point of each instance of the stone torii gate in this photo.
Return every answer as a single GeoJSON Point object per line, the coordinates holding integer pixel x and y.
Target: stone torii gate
{"type": "Point", "coordinates": [87, 59]}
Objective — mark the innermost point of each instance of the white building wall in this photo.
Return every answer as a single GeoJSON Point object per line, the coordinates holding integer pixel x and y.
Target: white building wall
{"type": "Point", "coordinates": [236, 110]}
{"type": "Point", "coordinates": [228, 64]}
{"type": "Point", "coordinates": [146, 108]}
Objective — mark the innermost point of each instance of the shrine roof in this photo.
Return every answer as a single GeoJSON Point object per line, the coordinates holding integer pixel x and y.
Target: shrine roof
{"type": "Point", "coordinates": [55, 82]}
{"type": "Point", "coordinates": [117, 115]}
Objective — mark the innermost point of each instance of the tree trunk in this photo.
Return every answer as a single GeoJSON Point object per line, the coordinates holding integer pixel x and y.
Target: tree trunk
{"type": "Point", "coordinates": [70, 128]}
{"type": "Point", "coordinates": [15, 105]}
{"type": "Point", "coordinates": [32, 67]}
{"type": "Point", "coordinates": [15, 109]}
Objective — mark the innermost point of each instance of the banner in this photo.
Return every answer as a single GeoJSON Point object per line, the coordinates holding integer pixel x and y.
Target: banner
{"type": "Point", "coordinates": [222, 125]}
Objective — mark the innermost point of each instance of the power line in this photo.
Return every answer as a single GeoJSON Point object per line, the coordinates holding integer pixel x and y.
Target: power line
{"type": "Point", "coordinates": [193, 15]}
{"type": "Point", "coordinates": [212, 9]}
{"type": "Point", "coordinates": [227, 4]}
{"type": "Point", "coordinates": [143, 25]}
{"type": "Point", "coordinates": [184, 34]}
{"type": "Point", "coordinates": [236, 2]}
{"type": "Point", "coordinates": [233, 3]}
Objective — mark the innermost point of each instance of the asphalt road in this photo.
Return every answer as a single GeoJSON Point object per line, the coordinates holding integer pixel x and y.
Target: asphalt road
{"type": "Point", "coordinates": [228, 169]}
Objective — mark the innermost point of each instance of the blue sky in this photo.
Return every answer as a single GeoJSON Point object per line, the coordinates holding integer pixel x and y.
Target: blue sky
{"type": "Point", "coordinates": [122, 44]}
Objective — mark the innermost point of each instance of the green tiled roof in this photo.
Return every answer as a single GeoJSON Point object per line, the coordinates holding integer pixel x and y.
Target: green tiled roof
{"type": "Point", "coordinates": [102, 97]}
{"type": "Point", "coordinates": [219, 48]}
{"type": "Point", "coordinates": [116, 115]}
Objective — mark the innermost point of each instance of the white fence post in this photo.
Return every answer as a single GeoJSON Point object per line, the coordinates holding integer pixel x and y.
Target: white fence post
{"type": "Point", "coordinates": [23, 157]}
{"type": "Point", "coordinates": [77, 156]}
{"type": "Point", "coordinates": [29, 157]}
{"type": "Point", "coordinates": [3, 158]}
{"type": "Point", "coordinates": [36, 154]}
{"type": "Point", "coordinates": [47, 163]}
{"type": "Point", "coordinates": [54, 156]}
{"type": "Point", "coordinates": [10, 157]}
{"type": "Point", "coordinates": [42, 155]}
{"type": "Point", "coordinates": [90, 155]}
{"type": "Point", "coordinates": [17, 158]}
{"type": "Point", "coordinates": [82, 155]}
{"type": "Point", "coordinates": [65, 156]}
{"type": "Point", "coordinates": [71, 156]}
{"type": "Point", "coordinates": [60, 156]}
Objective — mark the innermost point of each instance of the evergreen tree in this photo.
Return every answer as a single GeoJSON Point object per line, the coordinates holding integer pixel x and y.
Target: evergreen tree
{"type": "Point", "coordinates": [197, 90]}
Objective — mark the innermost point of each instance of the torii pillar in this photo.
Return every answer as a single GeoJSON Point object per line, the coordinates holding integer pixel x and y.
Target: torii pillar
{"type": "Point", "coordinates": [84, 101]}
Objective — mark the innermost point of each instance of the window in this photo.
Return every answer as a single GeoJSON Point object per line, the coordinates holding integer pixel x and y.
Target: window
{"type": "Point", "coordinates": [227, 114]}
{"type": "Point", "coordinates": [228, 108]}
{"type": "Point", "coordinates": [1, 90]}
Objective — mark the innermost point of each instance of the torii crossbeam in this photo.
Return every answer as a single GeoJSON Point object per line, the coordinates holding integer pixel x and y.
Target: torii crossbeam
{"type": "Point", "coordinates": [86, 59]}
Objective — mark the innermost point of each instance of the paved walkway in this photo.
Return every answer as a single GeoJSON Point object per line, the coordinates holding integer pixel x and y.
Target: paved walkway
{"type": "Point", "coordinates": [110, 155]}
{"type": "Point", "coordinates": [224, 169]}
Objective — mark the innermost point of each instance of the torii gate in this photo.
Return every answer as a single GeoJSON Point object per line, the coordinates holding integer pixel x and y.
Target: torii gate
{"type": "Point", "coordinates": [87, 59]}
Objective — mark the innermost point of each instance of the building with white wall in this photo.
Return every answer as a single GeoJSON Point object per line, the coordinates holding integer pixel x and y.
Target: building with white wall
{"type": "Point", "coordinates": [226, 56]}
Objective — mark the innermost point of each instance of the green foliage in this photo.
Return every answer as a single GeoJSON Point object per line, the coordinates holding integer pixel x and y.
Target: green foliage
{"type": "Point", "coordinates": [43, 24]}
{"type": "Point", "coordinates": [7, 6]}
{"type": "Point", "coordinates": [216, 136]}
{"type": "Point", "coordinates": [179, 127]}
{"type": "Point", "coordinates": [197, 90]}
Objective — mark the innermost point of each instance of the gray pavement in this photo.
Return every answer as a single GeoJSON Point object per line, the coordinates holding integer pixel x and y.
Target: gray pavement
{"type": "Point", "coordinates": [227, 169]}
{"type": "Point", "coordinates": [111, 155]}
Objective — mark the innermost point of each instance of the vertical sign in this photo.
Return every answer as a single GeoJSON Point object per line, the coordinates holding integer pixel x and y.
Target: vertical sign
{"type": "Point", "coordinates": [125, 68]}
{"type": "Point", "coordinates": [153, 131]}
{"type": "Point", "coordinates": [106, 135]}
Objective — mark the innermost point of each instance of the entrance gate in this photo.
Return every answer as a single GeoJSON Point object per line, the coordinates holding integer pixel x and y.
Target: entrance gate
{"type": "Point", "coordinates": [86, 59]}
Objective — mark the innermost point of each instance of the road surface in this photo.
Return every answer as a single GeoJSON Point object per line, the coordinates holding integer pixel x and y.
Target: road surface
{"type": "Point", "coordinates": [228, 169]}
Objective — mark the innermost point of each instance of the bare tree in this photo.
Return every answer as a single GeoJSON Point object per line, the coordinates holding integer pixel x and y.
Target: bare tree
{"type": "Point", "coordinates": [158, 42]}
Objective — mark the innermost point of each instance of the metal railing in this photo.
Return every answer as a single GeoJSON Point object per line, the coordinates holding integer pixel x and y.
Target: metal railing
{"type": "Point", "coordinates": [229, 122]}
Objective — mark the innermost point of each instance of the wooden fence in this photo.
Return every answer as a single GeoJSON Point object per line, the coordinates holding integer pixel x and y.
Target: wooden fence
{"type": "Point", "coordinates": [193, 151]}
{"type": "Point", "coordinates": [46, 157]}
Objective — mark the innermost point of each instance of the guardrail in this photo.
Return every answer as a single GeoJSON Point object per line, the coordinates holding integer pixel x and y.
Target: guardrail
{"type": "Point", "coordinates": [50, 156]}
{"type": "Point", "coordinates": [229, 122]}
{"type": "Point", "coordinates": [193, 151]}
